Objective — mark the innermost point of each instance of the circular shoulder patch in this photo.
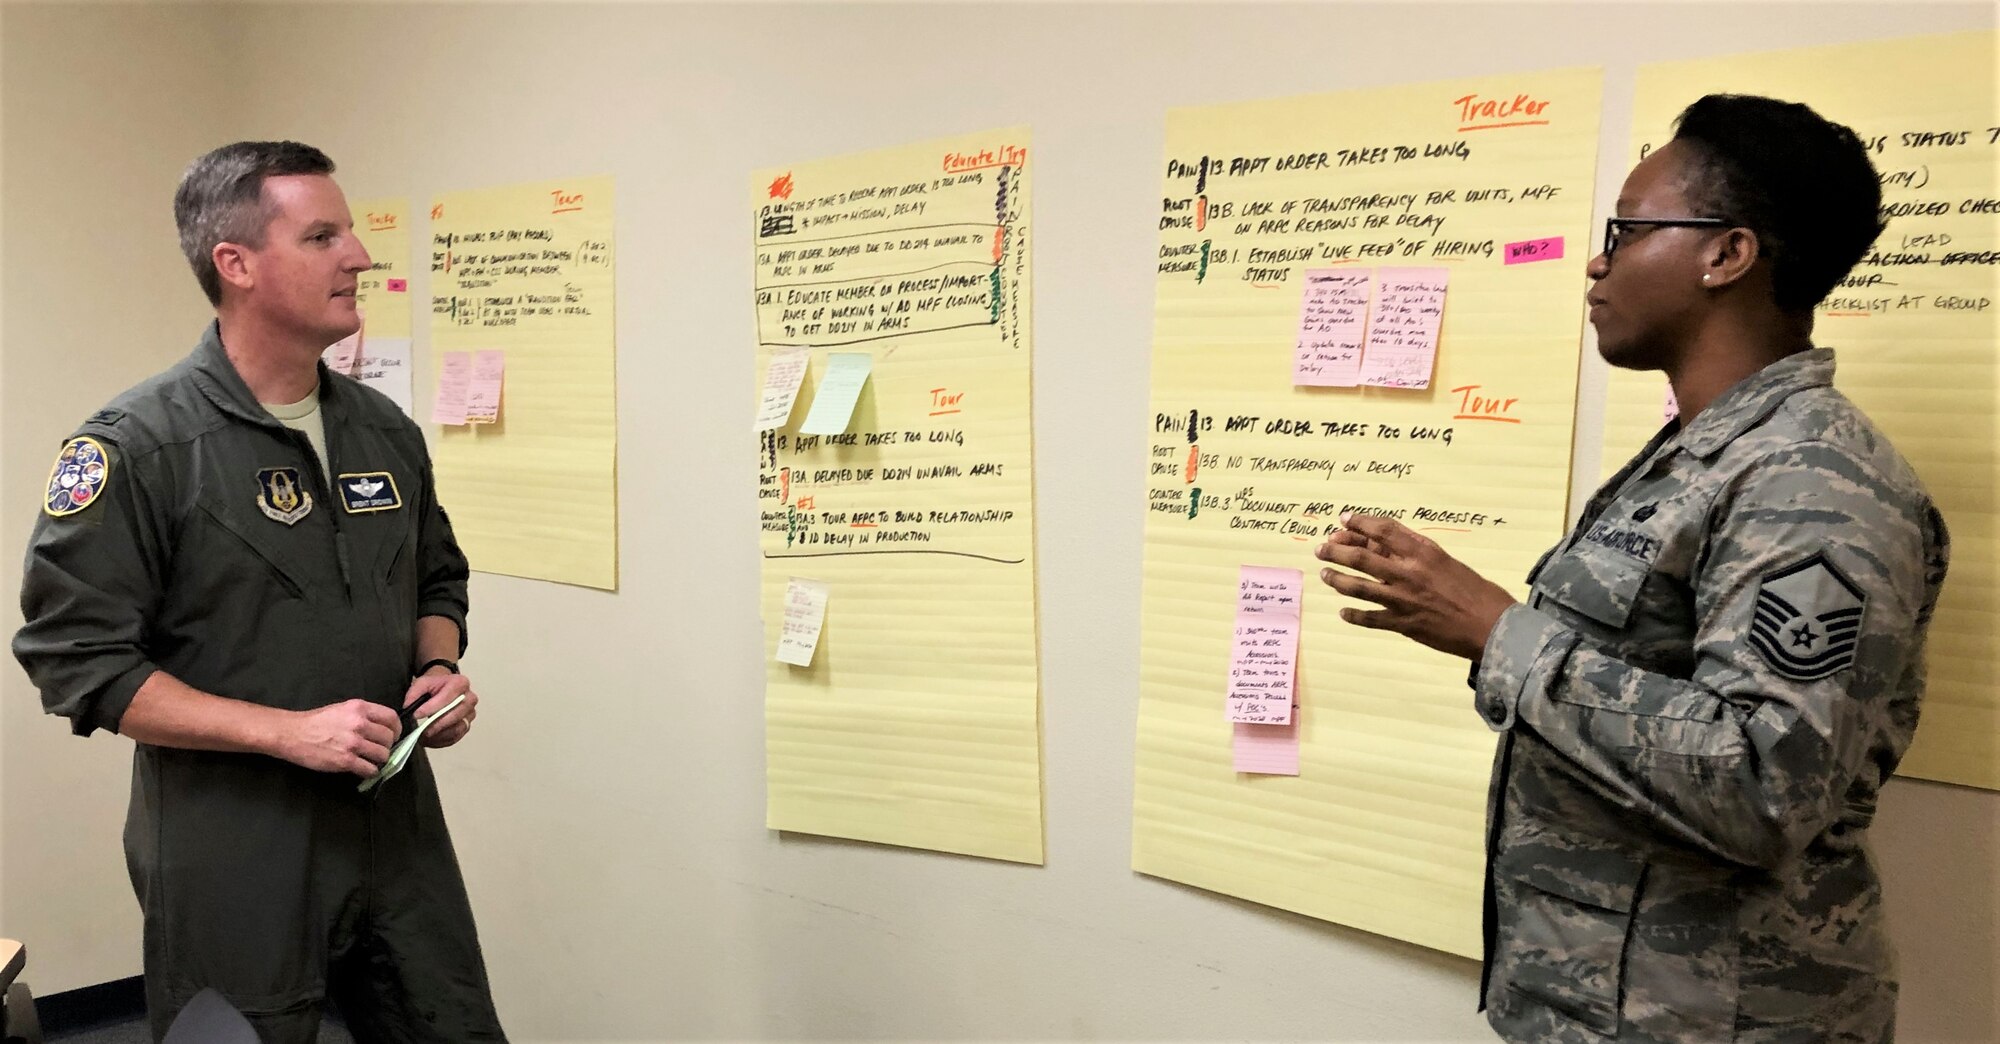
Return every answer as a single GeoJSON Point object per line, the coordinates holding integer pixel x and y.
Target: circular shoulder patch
{"type": "Point", "coordinates": [78, 477]}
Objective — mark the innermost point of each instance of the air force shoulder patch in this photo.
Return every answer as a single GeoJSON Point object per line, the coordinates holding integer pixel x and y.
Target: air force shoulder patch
{"type": "Point", "coordinates": [1808, 620]}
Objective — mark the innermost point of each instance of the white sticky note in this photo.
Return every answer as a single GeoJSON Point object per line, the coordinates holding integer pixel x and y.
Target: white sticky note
{"type": "Point", "coordinates": [781, 387]}
{"type": "Point", "coordinates": [482, 395]}
{"type": "Point", "coordinates": [839, 389]}
{"type": "Point", "coordinates": [805, 614]}
{"type": "Point", "coordinates": [384, 365]}
{"type": "Point", "coordinates": [341, 356]}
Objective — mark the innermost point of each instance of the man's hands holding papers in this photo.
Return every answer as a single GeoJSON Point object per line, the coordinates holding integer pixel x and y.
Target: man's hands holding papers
{"type": "Point", "coordinates": [429, 693]}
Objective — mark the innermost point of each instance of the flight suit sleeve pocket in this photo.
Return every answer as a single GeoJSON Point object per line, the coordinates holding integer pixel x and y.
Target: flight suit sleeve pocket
{"type": "Point", "coordinates": [1572, 915]}
{"type": "Point", "coordinates": [1597, 583]}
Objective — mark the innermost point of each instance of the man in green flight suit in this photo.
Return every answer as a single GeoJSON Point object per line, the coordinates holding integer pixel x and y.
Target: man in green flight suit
{"type": "Point", "coordinates": [243, 566]}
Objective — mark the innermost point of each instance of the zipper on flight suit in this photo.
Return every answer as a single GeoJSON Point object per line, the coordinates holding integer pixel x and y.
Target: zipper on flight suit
{"type": "Point", "coordinates": [326, 494]}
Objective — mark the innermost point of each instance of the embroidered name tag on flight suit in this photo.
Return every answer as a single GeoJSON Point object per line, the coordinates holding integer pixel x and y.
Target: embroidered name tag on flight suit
{"type": "Point", "coordinates": [369, 491]}
{"type": "Point", "coordinates": [1808, 620]}
{"type": "Point", "coordinates": [281, 496]}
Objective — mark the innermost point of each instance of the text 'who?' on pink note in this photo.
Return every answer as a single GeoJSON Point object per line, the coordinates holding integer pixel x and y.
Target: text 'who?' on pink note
{"type": "Point", "coordinates": [1531, 250]}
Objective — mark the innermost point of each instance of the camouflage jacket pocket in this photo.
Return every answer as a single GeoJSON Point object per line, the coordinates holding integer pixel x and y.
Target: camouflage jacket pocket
{"type": "Point", "coordinates": [1564, 921]}
{"type": "Point", "coordinates": [1595, 583]}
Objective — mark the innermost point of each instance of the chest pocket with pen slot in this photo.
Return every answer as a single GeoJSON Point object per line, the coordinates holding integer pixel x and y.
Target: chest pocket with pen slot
{"type": "Point", "coordinates": [1599, 591]}
{"type": "Point", "coordinates": [1595, 583]}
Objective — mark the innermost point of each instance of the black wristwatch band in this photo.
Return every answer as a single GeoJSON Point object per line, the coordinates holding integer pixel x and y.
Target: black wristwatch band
{"type": "Point", "coordinates": [428, 664]}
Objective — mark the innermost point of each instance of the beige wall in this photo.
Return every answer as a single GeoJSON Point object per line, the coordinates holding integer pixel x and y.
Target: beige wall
{"type": "Point", "coordinates": [101, 108]}
{"type": "Point", "coordinates": [609, 811]}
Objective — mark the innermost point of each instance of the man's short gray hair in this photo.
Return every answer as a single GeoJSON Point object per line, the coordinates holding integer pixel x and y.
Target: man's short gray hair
{"type": "Point", "coordinates": [221, 199]}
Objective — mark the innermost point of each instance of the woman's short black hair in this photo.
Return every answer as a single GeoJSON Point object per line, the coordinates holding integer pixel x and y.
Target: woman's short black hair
{"type": "Point", "coordinates": [1803, 183]}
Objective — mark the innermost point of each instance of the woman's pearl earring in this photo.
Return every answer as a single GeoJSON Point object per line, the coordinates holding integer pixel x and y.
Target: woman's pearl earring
{"type": "Point", "coordinates": [1704, 277]}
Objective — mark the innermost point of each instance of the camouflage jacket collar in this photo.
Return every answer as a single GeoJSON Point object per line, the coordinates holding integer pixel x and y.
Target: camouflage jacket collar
{"type": "Point", "coordinates": [1753, 398]}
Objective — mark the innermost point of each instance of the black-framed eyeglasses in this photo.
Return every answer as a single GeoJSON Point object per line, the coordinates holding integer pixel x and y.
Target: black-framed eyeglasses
{"type": "Point", "coordinates": [1616, 229]}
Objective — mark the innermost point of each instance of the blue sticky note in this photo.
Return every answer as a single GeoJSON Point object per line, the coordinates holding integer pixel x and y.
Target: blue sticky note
{"type": "Point", "coordinates": [839, 389]}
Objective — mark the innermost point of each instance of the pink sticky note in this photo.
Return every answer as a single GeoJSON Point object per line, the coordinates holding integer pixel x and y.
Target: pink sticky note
{"type": "Point", "coordinates": [1403, 327]}
{"type": "Point", "coordinates": [396, 286]}
{"type": "Point", "coordinates": [1264, 659]}
{"type": "Point", "coordinates": [1531, 250]}
{"type": "Point", "coordinates": [1271, 750]}
{"type": "Point", "coordinates": [482, 393]}
{"type": "Point", "coordinates": [454, 381]}
{"type": "Point", "coordinates": [1333, 321]}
